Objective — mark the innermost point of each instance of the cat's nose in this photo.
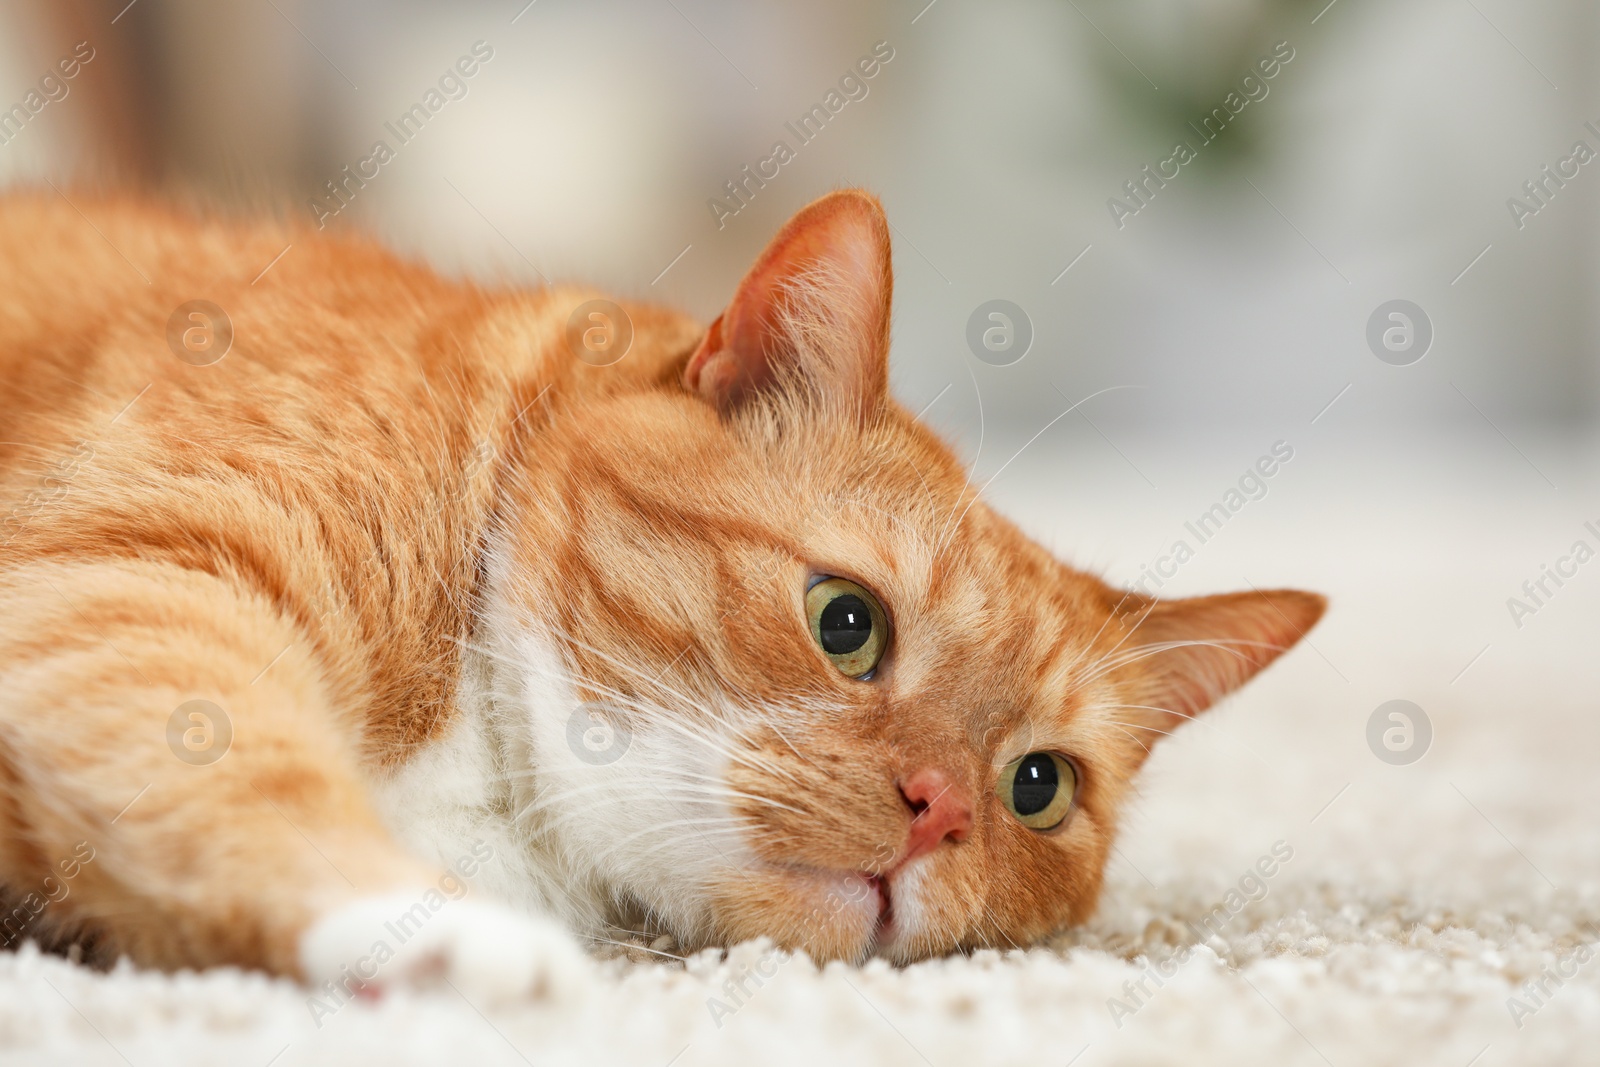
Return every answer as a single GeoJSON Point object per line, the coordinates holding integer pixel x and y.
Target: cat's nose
{"type": "Point", "coordinates": [940, 808]}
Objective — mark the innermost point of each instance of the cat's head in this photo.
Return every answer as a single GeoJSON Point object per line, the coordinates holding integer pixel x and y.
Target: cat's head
{"type": "Point", "coordinates": [781, 671]}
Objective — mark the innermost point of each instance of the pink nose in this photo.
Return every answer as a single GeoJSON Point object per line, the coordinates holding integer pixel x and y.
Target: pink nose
{"type": "Point", "coordinates": [939, 809]}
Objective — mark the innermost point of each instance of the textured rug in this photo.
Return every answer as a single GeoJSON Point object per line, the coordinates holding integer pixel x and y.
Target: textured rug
{"type": "Point", "coordinates": [1288, 890]}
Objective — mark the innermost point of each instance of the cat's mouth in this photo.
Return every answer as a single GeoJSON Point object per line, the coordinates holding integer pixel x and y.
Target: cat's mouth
{"type": "Point", "coordinates": [883, 929]}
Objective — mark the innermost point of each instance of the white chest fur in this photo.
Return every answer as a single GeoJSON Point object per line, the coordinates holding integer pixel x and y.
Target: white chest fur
{"type": "Point", "coordinates": [572, 837]}
{"type": "Point", "coordinates": [453, 792]}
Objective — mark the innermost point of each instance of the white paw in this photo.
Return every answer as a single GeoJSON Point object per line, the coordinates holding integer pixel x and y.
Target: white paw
{"type": "Point", "coordinates": [491, 954]}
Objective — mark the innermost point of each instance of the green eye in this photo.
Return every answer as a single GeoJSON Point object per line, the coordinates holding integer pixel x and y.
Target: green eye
{"type": "Point", "coordinates": [848, 623]}
{"type": "Point", "coordinates": [1038, 789]}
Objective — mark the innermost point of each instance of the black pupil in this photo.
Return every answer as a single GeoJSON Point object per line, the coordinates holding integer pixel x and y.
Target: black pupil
{"type": "Point", "coordinates": [1035, 784]}
{"type": "Point", "coordinates": [845, 625]}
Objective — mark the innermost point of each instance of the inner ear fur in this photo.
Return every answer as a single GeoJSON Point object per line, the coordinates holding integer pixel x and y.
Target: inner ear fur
{"type": "Point", "coordinates": [1185, 655]}
{"type": "Point", "coordinates": [811, 318]}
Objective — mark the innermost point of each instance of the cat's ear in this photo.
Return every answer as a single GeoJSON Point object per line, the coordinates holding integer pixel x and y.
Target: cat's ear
{"type": "Point", "coordinates": [1184, 655]}
{"type": "Point", "coordinates": [812, 314]}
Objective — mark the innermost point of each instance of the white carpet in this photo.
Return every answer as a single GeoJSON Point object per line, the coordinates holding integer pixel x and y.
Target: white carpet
{"type": "Point", "coordinates": [1418, 900]}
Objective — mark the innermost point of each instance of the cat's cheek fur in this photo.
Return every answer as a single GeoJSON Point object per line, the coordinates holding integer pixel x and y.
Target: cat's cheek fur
{"type": "Point", "coordinates": [492, 955]}
{"type": "Point", "coordinates": [641, 825]}
{"type": "Point", "coordinates": [640, 828]}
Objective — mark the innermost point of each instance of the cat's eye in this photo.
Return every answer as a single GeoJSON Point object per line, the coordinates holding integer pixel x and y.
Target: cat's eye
{"type": "Point", "coordinates": [849, 625]}
{"type": "Point", "coordinates": [1038, 789]}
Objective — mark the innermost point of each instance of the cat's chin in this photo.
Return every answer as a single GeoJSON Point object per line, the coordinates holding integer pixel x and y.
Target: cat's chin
{"type": "Point", "coordinates": [859, 902]}
{"type": "Point", "coordinates": [831, 914]}
{"type": "Point", "coordinates": [896, 937]}
{"type": "Point", "coordinates": [887, 903]}
{"type": "Point", "coordinates": [903, 934]}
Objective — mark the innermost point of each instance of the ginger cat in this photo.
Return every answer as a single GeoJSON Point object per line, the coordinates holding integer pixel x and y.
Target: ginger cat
{"type": "Point", "coordinates": [399, 599]}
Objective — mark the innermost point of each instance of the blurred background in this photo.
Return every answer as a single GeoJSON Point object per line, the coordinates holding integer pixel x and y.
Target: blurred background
{"type": "Point", "coordinates": [1377, 166]}
{"type": "Point", "coordinates": [1200, 323]}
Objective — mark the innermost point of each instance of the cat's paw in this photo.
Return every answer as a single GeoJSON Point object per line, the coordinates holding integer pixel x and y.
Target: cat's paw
{"type": "Point", "coordinates": [490, 954]}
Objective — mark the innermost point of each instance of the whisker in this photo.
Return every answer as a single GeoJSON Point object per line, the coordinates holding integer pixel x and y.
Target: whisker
{"type": "Point", "coordinates": [663, 718]}
{"type": "Point", "coordinates": [634, 945]}
{"type": "Point", "coordinates": [745, 757]}
{"type": "Point", "coordinates": [550, 800]}
{"type": "Point", "coordinates": [1107, 665]}
{"type": "Point", "coordinates": [1140, 726]}
{"type": "Point", "coordinates": [1135, 738]}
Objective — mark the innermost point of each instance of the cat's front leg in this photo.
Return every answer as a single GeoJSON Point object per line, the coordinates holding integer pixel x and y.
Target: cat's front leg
{"type": "Point", "coordinates": [187, 753]}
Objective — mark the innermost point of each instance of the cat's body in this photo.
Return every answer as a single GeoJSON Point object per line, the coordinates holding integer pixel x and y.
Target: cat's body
{"type": "Point", "coordinates": [468, 601]}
